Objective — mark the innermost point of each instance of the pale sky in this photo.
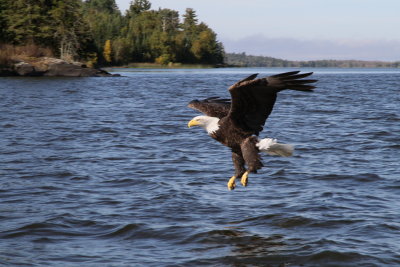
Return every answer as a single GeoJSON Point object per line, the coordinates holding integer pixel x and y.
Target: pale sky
{"type": "Point", "coordinates": [300, 29]}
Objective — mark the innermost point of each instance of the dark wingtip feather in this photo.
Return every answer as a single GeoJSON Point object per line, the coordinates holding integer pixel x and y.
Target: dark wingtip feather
{"type": "Point", "coordinates": [285, 74]}
{"type": "Point", "coordinates": [301, 87]}
{"type": "Point", "coordinates": [251, 77]}
{"type": "Point", "coordinates": [293, 80]}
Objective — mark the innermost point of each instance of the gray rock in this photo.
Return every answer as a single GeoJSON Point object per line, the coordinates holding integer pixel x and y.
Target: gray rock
{"type": "Point", "coordinates": [54, 67]}
{"type": "Point", "coordinates": [63, 69]}
{"type": "Point", "coordinates": [24, 69]}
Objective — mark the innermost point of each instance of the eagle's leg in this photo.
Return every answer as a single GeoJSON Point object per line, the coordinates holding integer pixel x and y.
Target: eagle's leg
{"type": "Point", "coordinates": [251, 158]}
{"type": "Point", "coordinates": [238, 162]}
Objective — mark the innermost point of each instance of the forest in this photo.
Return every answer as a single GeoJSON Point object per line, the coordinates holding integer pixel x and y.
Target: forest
{"type": "Point", "coordinates": [96, 32]}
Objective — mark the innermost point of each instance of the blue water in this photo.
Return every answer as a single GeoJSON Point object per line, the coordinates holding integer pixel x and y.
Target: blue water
{"type": "Point", "coordinates": [105, 172]}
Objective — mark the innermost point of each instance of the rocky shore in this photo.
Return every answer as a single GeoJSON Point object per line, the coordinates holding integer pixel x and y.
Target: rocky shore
{"type": "Point", "coordinates": [51, 67]}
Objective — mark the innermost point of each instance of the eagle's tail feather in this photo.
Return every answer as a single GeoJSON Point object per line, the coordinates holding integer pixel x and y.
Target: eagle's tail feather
{"type": "Point", "coordinates": [272, 147]}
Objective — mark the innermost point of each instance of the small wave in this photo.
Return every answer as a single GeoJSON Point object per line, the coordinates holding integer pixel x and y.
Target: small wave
{"type": "Point", "coordinates": [362, 177]}
{"type": "Point", "coordinates": [70, 91]}
{"type": "Point", "coordinates": [53, 158]}
{"type": "Point", "coordinates": [293, 222]}
{"type": "Point", "coordinates": [191, 171]}
{"type": "Point", "coordinates": [238, 238]}
{"type": "Point", "coordinates": [335, 257]}
{"type": "Point", "coordinates": [258, 218]}
{"type": "Point", "coordinates": [395, 146]}
{"type": "Point", "coordinates": [124, 231]}
{"type": "Point", "coordinates": [63, 174]}
{"type": "Point", "coordinates": [279, 172]}
{"type": "Point", "coordinates": [103, 130]}
{"type": "Point", "coordinates": [326, 224]}
{"type": "Point", "coordinates": [391, 226]}
{"type": "Point", "coordinates": [213, 236]}
{"type": "Point", "coordinates": [282, 221]}
{"type": "Point", "coordinates": [115, 158]}
{"type": "Point", "coordinates": [79, 178]}
{"type": "Point", "coordinates": [40, 229]}
{"type": "Point", "coordinates": [391, 187]}
{"type": "Point", "coordinates": [8, 125]}
{"type": "Point", "coordinates": [18, 161]}
{"type": "Point", "coordinates": [49, 188]}
{"type": "Point", "coordinates": [324, 111]}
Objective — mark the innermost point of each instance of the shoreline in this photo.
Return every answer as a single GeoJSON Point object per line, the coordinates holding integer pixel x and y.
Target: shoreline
{"type": "Point", "coordinates": [186, 66]}
{"type": "Point", "coordinates": [149, 65]}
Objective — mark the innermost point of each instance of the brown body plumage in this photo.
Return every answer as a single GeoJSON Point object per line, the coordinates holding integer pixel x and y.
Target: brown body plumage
{"type": "Point", "coordinates": [242, 118]}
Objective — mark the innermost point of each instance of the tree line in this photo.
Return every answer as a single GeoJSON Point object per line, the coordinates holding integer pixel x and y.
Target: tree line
{"type": "Point", "coordinates": [96, 31]}
{"type": "Point", "coordinates": [243, 60]}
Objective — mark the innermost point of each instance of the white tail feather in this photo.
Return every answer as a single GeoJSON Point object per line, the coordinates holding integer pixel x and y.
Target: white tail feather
{"type": "Point", "coordinates": [272, 147]}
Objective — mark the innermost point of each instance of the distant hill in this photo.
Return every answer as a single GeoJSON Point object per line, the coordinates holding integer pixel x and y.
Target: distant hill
{"type": "Point", "coordinates": [243, 60]}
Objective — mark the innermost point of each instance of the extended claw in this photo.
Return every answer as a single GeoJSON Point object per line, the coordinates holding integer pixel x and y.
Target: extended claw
{"type": "Point", "coordinates": [231, 183]}
{"type": "Point", "coordinates": [245, 179]}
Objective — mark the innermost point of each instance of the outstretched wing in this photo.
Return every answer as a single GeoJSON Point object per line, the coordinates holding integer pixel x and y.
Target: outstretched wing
{"type": "Point", "coordinates": [253, 99]}
{"type": "Point", "coordinates": [212, 106]}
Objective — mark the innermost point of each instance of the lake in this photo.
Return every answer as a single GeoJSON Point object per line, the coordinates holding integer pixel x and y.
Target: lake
{"type": "Point", "coordinates": [105, 172]}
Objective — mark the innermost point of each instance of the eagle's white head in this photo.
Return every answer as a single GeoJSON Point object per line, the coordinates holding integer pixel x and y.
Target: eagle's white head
{"type": "Point", "coordinates": [209, 123]}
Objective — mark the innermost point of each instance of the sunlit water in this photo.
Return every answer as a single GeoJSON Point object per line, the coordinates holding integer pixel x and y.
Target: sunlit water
{"type": "Point", "coordinates": [104, 172]}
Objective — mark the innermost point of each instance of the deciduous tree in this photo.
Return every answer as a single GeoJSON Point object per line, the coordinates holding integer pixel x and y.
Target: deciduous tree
{"type": "Point", "coordinates": [107, 51]}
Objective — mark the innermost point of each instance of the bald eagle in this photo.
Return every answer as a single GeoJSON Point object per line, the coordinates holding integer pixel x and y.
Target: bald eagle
{"type": "Point", "coordinates": [237, 122]}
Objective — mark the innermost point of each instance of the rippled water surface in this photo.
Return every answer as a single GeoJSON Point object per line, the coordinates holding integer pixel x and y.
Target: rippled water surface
{"type": "Point", "coordinates": [104, 172]}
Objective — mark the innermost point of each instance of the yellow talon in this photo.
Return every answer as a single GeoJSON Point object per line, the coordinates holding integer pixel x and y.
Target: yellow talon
{"type": "Point", "coordinates": [245, 179]}
{"type": "Point", "coordinates": [231, 183]}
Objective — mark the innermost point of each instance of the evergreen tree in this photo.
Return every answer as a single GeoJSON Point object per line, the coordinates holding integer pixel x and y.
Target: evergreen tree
{"type": "Point", "coordinates": [95, 29]}
{"type": "Point", "coordinates": [71, 33]}
{"type": "Point", "coordinates": [28, 21]}
{"type": "Point", "coordinates": [165, 41]}
{"type": "Point", "coordinates": [108, 6]}
{"type": "Point", "coordinates": [206, 48]}
{"type": "Point", "coordinates": [169, 20]}
{"type": "Point", "coordinates": [136, 7]}
{"type": "Point", "coordinates": [190, 32]}
{"type": "Point", "coordinates": [3, 21]}
{"type": "Point", "coordinates": [4, 7]}
{"type": "Point", "coordinates": [105, 22]}
{"type": "Point", "coordinates": [190, 20]}
{"type": "Point", "coordinates": [143, 30]}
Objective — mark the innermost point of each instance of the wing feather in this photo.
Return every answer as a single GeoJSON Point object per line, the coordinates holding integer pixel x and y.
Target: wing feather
{"type": "Point", "coordinates": [254, 99]}
{"type": "Point", "coordinates": [212, 106]}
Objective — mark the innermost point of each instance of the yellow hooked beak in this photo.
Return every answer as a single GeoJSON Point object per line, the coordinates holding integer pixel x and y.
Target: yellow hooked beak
{"type": "Point", "coordinates": [193, 123]}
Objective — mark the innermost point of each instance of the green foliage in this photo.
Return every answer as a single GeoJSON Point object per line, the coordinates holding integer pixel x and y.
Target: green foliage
{"type": "Point", "coordinates": [108, 6]}
{"type": "Point", "coordinates": [137, 7]}
{"type": "Point", "coordinates": [107, 51]}
{"type": "Point", "coordinates": [205, 47]}
{"type": "Point", "coordinates": [95, 30]}
{"type": "Point", "coordinates": [3, 21]}
{"type": "Point", "coordinates": [190, 21]}
{"type": "Point", "coordinates": [55, 24]}
{"type": "Point", "coordinates": [103, 25]}
{"type": "Point", "coordinates": [70, 31]}
{"type": "Point", "coordinates": [27, 21]}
